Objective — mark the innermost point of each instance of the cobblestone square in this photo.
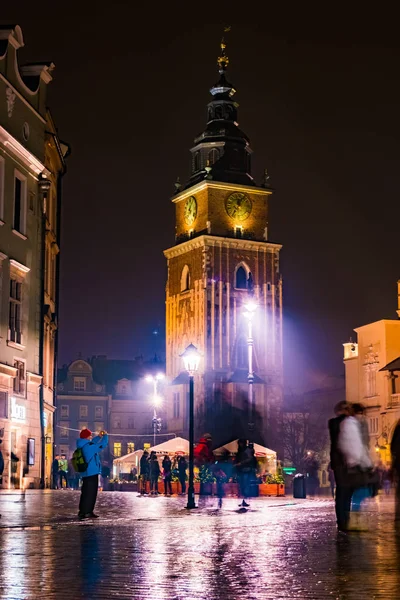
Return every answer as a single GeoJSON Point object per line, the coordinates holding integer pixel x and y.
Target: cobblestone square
{"type": "Point", "coordinates": [154, 548]}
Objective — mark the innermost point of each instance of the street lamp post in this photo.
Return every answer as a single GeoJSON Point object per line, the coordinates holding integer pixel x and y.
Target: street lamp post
{"type": "Point", "coordinates": [249, 313]}
{"type": "Point", "coordinates": [191, 360]}
{"type": "Point", "coordinates": [154, 379]}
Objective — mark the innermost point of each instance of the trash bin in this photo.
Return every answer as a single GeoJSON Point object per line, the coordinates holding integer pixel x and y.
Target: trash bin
{"type": "Point", "coordinates": [299, 486]}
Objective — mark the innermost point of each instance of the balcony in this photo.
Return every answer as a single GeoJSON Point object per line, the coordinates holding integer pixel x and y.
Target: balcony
{"type": "Point", "coordinates": [394, 401]}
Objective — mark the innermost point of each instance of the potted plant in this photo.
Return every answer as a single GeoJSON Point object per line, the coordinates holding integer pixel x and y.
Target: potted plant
{"type": "Point", "coordinates": [206, 481]}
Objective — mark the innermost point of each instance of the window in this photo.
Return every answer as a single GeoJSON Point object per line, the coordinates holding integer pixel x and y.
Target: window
{"type": "Point", "coordinates": [64, 450]}
{"type": "Point", "coordinates": [176, 405]}
{"type": "Point", "coordinates": [370, 379]}
{"type": "Point", "coordinates": [64, 411]}
{"type": "Point", "coordinates": [185, 279]}
{"type": "Point", "coordinates": [196, 161]}
{"type": "Point", "coordinates": [82, 425]}
{"type": "Point", "coordinates": [131, 423]}
{"type": "Point", "coordinates": [99, 426]}
{"type": "Point", "coordinates": [64, 430]}
{"type": "Point", "coordinates": [241, 279]}
{"type": "Point", "coordinates": [80, 384]}
{"type": "Point", "coordinates": [19, 221]}
{"type": "Point", "coordinates": [3, 405]}
{"type": "Point", "coordinates": [117, 449]}
{"type": "Point", "coordinates": [15, 312]}
{"type": "Point", "coordinates": [213, 156]}
{"type": "Point", "coordinates": [98, 412]}
{"type": "Point", "coordinates": [239, 232]}
{"type": "Point", "coordinates": [117, 423]}
{"type": "Point", "coordinates": [19, 379]}
{"type": "Point", "coordinates": [83, 411]}
{"type": "Point", "coordinates": [373, 425]}
{"type": "Point", "coordinates": [2, 170]}
{"type": "Point", "coordinates": [130, 447]}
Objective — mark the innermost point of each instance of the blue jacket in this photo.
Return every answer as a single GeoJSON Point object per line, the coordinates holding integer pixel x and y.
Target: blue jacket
{"type": "Point", "coordinates": [91, 452]}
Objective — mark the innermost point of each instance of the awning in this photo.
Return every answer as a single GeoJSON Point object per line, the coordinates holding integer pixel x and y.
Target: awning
{"type": "Point", "coordinates": [392, 366]}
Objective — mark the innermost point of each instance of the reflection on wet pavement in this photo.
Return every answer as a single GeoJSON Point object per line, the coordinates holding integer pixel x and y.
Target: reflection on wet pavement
{"type": "Point", "coordinates": [154, 548]}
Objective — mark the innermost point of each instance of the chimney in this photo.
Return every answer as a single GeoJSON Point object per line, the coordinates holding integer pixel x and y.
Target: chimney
{"type": "Point", "coordinates": [398, 298]}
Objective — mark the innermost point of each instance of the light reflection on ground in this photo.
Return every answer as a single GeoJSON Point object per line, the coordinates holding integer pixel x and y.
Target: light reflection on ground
{"type": "Point", "coordinates": [154, 548]}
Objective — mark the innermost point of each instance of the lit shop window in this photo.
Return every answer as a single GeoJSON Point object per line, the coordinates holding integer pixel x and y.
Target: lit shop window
{"type": "Point", "coordinates": [117, 449]}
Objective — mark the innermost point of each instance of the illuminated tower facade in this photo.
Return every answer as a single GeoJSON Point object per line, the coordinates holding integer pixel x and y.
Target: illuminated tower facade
{"type": "Point", "coordinates": [223, 257]}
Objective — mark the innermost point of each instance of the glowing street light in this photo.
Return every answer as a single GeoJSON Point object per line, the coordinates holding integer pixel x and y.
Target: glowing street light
{"type": "Point", "coordinates": [191, 359]}
{"type": "Point", "coordinates": [249, 313]}
{"type": "Point", "coordinates": [157, 401]}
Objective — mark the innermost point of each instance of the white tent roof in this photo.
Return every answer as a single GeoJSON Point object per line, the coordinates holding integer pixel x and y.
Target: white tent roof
{"type": "Point", "coordinates": [259, 450]}
{"type": "Point", "coordinates": [177, 444]}
{"type": "Point", "coordinates": [129, 457]}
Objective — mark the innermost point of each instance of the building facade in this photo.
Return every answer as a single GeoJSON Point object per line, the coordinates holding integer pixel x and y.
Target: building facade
{"type": "Point", "coordinates": [111, 395]}
{"type": "Point", "coordinates": [371, 381]}
{"type": "Point", "coordinates": [222, 258]}
{"type": "Point", "coordinates": [31, 164]}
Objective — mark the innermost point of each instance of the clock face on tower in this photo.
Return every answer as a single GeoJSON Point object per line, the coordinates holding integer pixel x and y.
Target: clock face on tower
{"type": "Point", "coordinates": [238, 206]}
{"type": "Point", "coordinates": [190, 210]}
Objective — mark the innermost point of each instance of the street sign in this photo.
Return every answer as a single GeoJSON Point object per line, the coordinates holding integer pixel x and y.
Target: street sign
{"type": "Point", "coordinates": [289, 470]}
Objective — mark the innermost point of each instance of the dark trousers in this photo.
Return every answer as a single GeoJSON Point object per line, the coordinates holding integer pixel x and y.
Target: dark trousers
{"type": "Point", "coordinates": [63, 475]}
{"type": "Point", "coordinates": [342, 505]}
{"type": "Point", "coordinates": [244, 483]}
{"type": "Point", "coordinates": [88, 494]}
{"type": "Point", "coordinates": [168, 485]}
{"type": "Point", "coordinates": [153, 484]}
{"type": "Point", "coordinates": [182, 481]}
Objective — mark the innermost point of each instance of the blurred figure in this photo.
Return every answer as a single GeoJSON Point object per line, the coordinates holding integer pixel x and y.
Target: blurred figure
{"type": "Point", "coordinates": [358, 462]}
{"type": "Point", "coordinates": [343, 492]}
{"type": "Point", "coordinates": [1, 464]}
{"type": "Point", "coordinates": [387, 481]}
{"type": "Point", "coordinates": [63, 471]}
{"type": "Point", "coordinates": [395, 451]}
{"type": "Point", "coordinates": [167, 472]}
{"type": "Point", "coordinates": [144, 472]}
{"type": "Point", "coordinates": [91, 448]}
{"type": "Point", "coordinates": [182, 466]}
{"type": "Point", "coordinates": [243, 462]}
{"type": "Point", "coordinates": [221, 473]}
{"type": "Point", "coordinates": [154, 469]}
{"type": "Point", "coordinates": [312, 468]}
{"type": "Point", "coordinates": [54, 471]}
{"type": "Point", "coordinates": [204, 459]}
{"type": "Point", "coordinates": [331, 478]}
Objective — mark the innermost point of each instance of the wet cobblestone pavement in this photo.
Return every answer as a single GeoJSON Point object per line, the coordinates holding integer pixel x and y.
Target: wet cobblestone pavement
{"type": "Point", "coordinates": [146, 548]}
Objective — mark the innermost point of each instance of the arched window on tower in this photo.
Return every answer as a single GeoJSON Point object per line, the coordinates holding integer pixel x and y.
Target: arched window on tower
{"type": "Point", "coordinates": [213, 156]}
{"type": "Point", "coordinates": [185, 279]}
{"type": "Point", "coordinates": [241, 278]}
{"type": "Point", "coordinates": [196, 162]}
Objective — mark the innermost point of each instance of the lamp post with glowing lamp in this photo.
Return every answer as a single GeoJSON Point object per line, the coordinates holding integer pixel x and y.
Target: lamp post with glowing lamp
{"type": "Point", "coordinates": [249, 313]}
{"type": "Point", "coordinates": [191, 360]}
{"type": "Point", "coordinates": [157, 400]}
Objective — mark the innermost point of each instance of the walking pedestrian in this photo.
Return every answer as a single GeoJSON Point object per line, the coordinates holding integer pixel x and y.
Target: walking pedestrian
{"type": "Point", "coordinates": [167, 471]}
{"type": "Point", "coordinates": [1, 464]}
{"type": "Point", "coordinates": [154, 469]}
{"type": "Point", "coordinates": [395, 451]}
{"type": "Point", "coordinates": [343, 491]}
{"type": "Point", "coordinates": [91, 448]}
{"type": "Point", "coordinates": [358, 464]}
{"type": "Point", "coordinates": [144, 472]}
{"type": "Point", "coordinates": [63, 471]}
{"type": "Point", "coordinates": [182, 466]}
{"type": "Point", "coordinates": [55, 471]}
{"type": "Point", "coordinates": [243, 462]}
{"type": "Point", "coordinates": [387, 481]}
{"type": "Point", "coordinates": [312, 468]}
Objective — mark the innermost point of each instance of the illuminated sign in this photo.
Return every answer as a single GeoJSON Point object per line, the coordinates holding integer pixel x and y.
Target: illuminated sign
{"type": "Point", "coordinates": [289, 470]}
{"type": "Point", "coordinates": [18, 411]}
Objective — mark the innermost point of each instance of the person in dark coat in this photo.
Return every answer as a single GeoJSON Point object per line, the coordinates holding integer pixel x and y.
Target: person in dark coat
{"type": "Point", "coordinates": [144, 472]}
{"type": "Point", "coordinates": [395, 451]}
{"type": "Point", "coordinates": [338, 465]}
{"type": "Point", "coordinates": [182, 466]}
{"type": "Point", "coordinates": [243, 464]}
{"type": "Point", "coordinates": [54, 472]}
{"type": "Point", "coordinates": [154, 468]}
{"type": "Point", "coordinates": [1, 463]}
{"type": "Point", "coordinates": [167, 472]}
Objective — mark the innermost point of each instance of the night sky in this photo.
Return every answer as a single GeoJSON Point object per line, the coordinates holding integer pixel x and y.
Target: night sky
{"type": "Point", "coordinates": [319, 98]}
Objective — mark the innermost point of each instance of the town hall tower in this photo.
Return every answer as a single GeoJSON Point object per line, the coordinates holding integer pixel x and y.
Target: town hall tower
{"type": "Point", "coordinates": [223, 257]}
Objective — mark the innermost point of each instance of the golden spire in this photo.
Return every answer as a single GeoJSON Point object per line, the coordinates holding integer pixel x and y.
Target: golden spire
{"type": "Point", "coordinates": [223, 60]}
